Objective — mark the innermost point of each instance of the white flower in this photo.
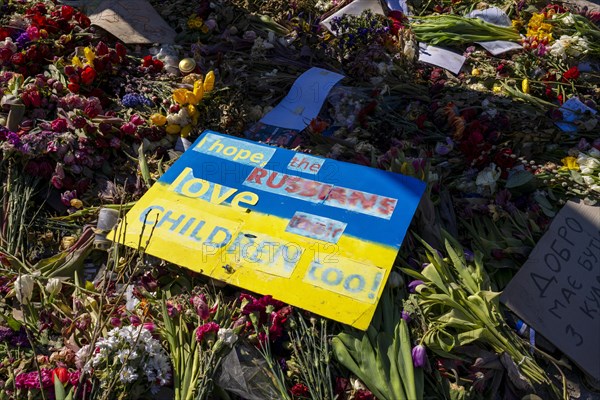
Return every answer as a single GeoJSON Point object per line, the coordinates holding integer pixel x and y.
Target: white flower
{"type": "Point", "coordinates": [228, 336]}
{"type": "Point", "coordinates": [24, 288]}
{"type": "Point", "coordinates": [572, 46]}
{"type": "Point", "coordinates": [54, 286]}
{"type": "Point", "coordinates": [487, 178]}
{"type": "Point", "coordinates": [587, 164]}
{"type": "Point", "coordinates": [128, 375]}
{"type": "Point", "coordinates": [409, 50]}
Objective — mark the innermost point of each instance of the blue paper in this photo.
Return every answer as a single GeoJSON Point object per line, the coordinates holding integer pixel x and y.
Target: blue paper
{"type": "Point", "coordinates": [304, 100]}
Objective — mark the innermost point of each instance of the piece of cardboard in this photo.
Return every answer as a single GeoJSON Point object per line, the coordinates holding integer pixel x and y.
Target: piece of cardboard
{"type": "Point", "coordinates": [316, 233]}
{"type": "Point", "coordinates": [132, 21]}
{"type": "Point", "coordinates": [557, 291]}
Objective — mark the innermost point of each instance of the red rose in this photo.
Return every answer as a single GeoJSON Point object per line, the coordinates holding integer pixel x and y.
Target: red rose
{"type": "Point", "coordinates": [17, 58]}
{"type": "Point", "coordinates": [147, 61]}
{"type": "Point", "coordinates": [158, 65]}
{"type": "Point", "coordinates": [67, 12]}
{"type": "Point", "coordinates": [88, 75]}
{"type": "Point", "coordinates": [572, 73]}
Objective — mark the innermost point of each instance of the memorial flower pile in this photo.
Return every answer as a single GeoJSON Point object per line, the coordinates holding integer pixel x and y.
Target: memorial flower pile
{"type": "Point", "coordinates": [502, 136]}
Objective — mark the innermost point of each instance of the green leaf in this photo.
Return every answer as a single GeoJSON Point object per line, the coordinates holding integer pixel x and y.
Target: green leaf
{"type": "Point", "coordinates": [59, 389]}
{"type": "Point", "coordinates": [518, 179]}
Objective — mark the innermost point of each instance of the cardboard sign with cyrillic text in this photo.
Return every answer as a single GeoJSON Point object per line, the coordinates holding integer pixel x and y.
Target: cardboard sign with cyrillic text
{"type": "Point", "coordinates": [557, 291]}
{"type": "Point", "coordinates": [316, 233]}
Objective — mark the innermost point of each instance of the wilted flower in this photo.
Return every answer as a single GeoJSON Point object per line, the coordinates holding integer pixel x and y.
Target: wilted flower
{"type": "Point", "coordinates": [486, 179]}
{"type": "Point", "coordinates": [419, 356]}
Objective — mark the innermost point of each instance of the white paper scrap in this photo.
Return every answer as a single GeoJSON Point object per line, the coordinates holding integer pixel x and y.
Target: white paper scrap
{"type": "Point", "coordinates": [446, 59]}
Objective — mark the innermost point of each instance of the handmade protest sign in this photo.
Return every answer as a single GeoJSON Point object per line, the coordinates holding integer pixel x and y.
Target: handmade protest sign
{"type": "Point", "coordinates": [316, 233]}
{"type": "Point", "coordinates": [557, 291]}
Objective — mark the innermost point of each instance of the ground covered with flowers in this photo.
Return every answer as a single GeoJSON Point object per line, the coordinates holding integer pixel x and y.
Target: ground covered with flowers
{"type": "Point", "coordinates": [89, 124]}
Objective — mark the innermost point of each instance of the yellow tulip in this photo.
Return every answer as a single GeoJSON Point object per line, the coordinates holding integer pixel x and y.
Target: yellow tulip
{"type": "Point", "coordinates": [173, 129]}
{"type": "Point", "coordinates": [199, 89]}
{"type": "Point", "coordinates": [209, 81]}
{"type": "Point", "coordinates": [76, 62]}
{"type": "Point", "coordinates": [89, 55]}
{"type": "Point", "coordinates": [475, 72]}
{"type": "Point", "coordinates": [158, 119]}
{"type": "Point", "coordinates": [525, 85]}
{"type": "Point", "coordinates": [192, 98]}
{"type": "Point", "coordinates": [179, 96]}
{"type": "Point", "coordinates": [185, 132]}
{"type": "Point", "coordinates": [192, 110]}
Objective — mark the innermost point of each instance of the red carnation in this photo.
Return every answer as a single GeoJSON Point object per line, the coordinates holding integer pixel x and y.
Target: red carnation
{"type": "Point", "coordinates": [88, 75]}
{"type": "Point", "coordinates": [121, 50]}
{"type": "Point", "coordinates": [572, 73]}
{"type": "Point", "coordinates": [59, 125]}
{"type": "Point", "coordinates": [300, 390]}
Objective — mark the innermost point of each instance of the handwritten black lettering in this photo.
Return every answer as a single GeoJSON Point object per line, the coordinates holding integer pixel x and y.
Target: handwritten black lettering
{"type": "Point", "coordinates": [569, 329]}
{"type": "Point", "coordinates": [552, 309]}
{"type": "Point", "coordinates": [542, 288]}
{"type": "Point", "coordinates": [573, 283]}
{"type": "Point", "coordinates": [565, 254]}
{"type": "Point", "coordinates": [563, 232]}
{"type": "Point", "coordinates": [574, 224]}
{"type": "Point", "coordinates": [587, 310]}
{"type": "Point", "coordinates": [567, 294]}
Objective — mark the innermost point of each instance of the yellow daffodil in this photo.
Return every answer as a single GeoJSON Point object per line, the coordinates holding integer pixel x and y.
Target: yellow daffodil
{"type": "Point", "coordinates": [179, 96]}
{"type": "Point", "coordinates": [525, 85]}
{"type": "Point", "coordinates": [173, 129]}
{"type": "Point", "coordinates": [158, 119]}
{"type": "Point", "coordinates": [209, 81]}
{"type": "Point", "coordinates": [186, 130]}
{"type": "Point", "coordinates": [89, 55]}
{"type": "Point", "coordinates": [570, 163]}
{"type": "Point", "coordinates": [497, 89]}
{"type": "Point", "coordinates": [76, 62]}
{"type": "Point", "coordinates": [476, 72]}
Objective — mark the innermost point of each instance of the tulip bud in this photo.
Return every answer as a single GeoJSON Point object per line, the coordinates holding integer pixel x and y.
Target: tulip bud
{"type": "Point", "coordinates": [419, 356]}
{"type": "Point", "coordinates": [24, 288]}
{"type": "Point", "coordinates": [54, 286]}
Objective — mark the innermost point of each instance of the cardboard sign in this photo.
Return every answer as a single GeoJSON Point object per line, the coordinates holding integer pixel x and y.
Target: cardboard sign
{"type": "Point", "coordinates": [132, 21]}
{"type": "Point", "coordinates": [316, 233]}
{"type": "Point", "coordinates": [557, 291]}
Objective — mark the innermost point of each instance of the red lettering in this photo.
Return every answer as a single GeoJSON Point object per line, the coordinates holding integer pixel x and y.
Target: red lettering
{"type": "Point", "coordinates": [315, 167]}
{"type": "Point", "coordinates": [256, 175]}
{"type": "Point", "coordinates": [338, 194]}
{"type": "Point", "coordinates": [356, 196]}
{"type": "Point", "coordinates": [310, 188]}
{"type": "Point", "coordinates": [387, 205]}
{"type": "Point", "coordinates": [292, 184]}
{"type": "Point", "coordinates": [324, 192]}
{"type": "Point", "coordinates": [270, 181]}
{"type": "Point", "coordinates": [294, 162]}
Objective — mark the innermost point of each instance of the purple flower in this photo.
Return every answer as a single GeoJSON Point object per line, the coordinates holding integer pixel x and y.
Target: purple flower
{"type": "Point", "coordinates": [419, 356]}
{"type": "Point", "coordinates": [414, 284]}
{"type": "Point", "coordinates": [469, 256]}
{"type": "Point", "coordinates": [406, 316]}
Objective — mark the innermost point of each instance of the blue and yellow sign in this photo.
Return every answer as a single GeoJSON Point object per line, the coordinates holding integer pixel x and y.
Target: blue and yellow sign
{"type": "Point", "coordinates": [316, 233]}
